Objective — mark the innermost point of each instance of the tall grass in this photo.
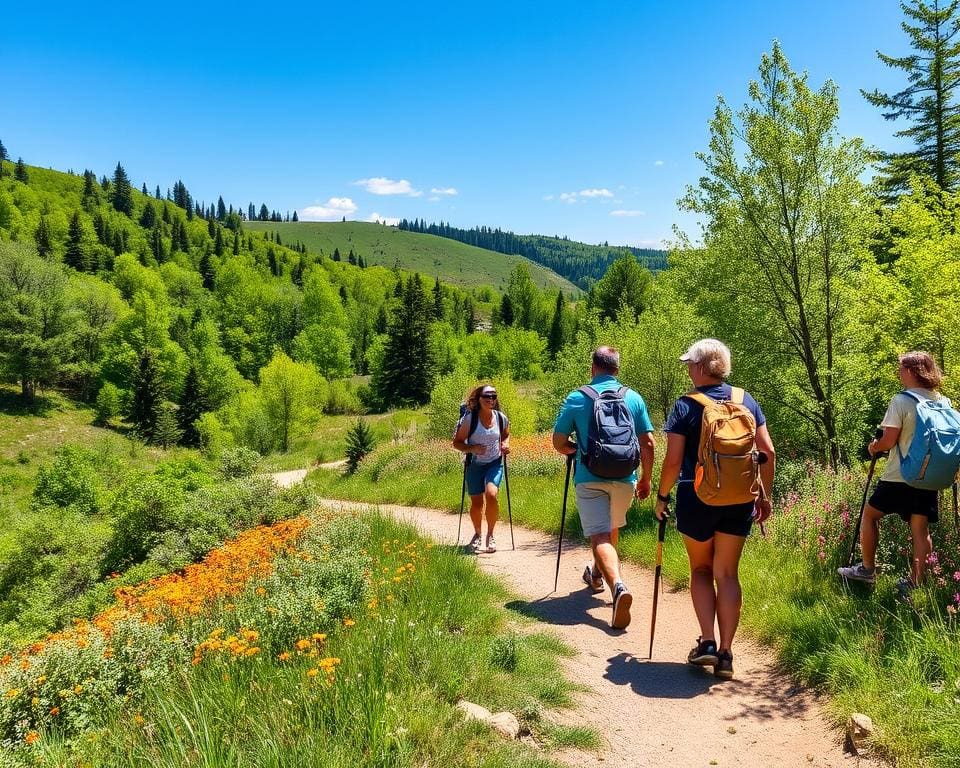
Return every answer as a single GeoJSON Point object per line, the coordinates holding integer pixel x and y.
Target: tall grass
{"type": "Point", "coordinates": [898, 662]}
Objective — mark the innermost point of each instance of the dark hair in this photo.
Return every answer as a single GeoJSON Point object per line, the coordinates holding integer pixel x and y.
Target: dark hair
{"type": "Point", "coordinates": [607, 359]}
{"type": "Point", "coordinates": [924, 368]}
{"type": "Point", "coordinates": [473, 398]}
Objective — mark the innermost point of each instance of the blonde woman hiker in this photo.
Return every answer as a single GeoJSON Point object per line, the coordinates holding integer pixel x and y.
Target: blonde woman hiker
{"type": "Point", "coordinates": [484, 435]}
{"type": "Point", "coordinates": [920, 377]}
{"type": "Point", "coordinates": [714, 533]}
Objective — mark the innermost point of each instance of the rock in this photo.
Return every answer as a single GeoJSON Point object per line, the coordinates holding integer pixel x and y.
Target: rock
{"type": "Point", "coordinates": [506, 724]}
{"type": "Point", "coordinates": [472, 711]}
{"type": "Point", "coordinates": [859, 731]}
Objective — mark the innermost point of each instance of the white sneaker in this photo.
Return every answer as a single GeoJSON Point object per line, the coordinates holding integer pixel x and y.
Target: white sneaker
{"type": "Point", "coordinates": [476, 543]}
{"type": "Point", "coordinates": [491, 544]}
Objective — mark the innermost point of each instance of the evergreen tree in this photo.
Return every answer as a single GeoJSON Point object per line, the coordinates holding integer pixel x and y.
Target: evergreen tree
{"type": "Point", "coordinates": [218, 244]}
{"type": "Point", "coordinates": [931, 102]}
{"type": "Point", "coordinates": [75, 256]}
{"type": "Point", "coordinates": [165, 215]}
{"type": "Point", "coordinates": [90, 196]}
{"type": "Point", "coordinates": [3, 156]}
{"type": "Point", "coordinates": [143, 190]}
{"type": "Point", "coordinates": [192, 406]}
{"type": "Point", "coordinates": [167, 431]}
{"type": "Point", "coordinates": [20, 172]}
{"type": "Point", "coordinates": [343, 295]}
{"type": "Point", "coordinates": [156, 244]}
{"type": "Point", "coordinates": [406, 373]}
{"type": "Point", "coordinates": [297, 273]}
{"type": "Point", "coordinates": [156, 192]}
{"type": "Point", "coordinates": [295, 217]}
{"type": "Point", "coordinates": [506, 310]}
{"type": "Point", "coordinates": [272, 261]}
{"type": "Point", "coordinates": [251, 212]}
{"type": "Point", "coordinates": [42, 238]}
{"type": "Point", "coordinates": [184, 238]}
{"type": "Point", "coordinates": [211, 228]}
{"type": "Point", "coordinates": [360, 442]}
{"type": "Point", "coordinates": [336, 254]}
{"type": "Point", "coordinates": [122, 195]}
{"type": "Point", "coordinates": [221, 209]}
{"type": "Point", "coordinates": [470, 315]}
{"type": "Point", "coordinates": [557, 327]}
{"type": "Point", "coordinates": [437, 300]}
{"type": "Point", "coordinates": [149, 395]}
{"type": "Point", "coordinates": [236, 243]}
{"type": "Point", "coordinates": [149, 216]}
{"type": "Point", "coordinates": [264, 213]}
{"type": "Point", "coordinates": [206, 270]}
{"type": "Point", "coordinates": [352, 258]}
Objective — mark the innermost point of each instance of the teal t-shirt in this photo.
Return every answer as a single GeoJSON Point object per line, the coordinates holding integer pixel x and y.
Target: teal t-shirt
{"type": "Point", "coordinates": [574, 418]}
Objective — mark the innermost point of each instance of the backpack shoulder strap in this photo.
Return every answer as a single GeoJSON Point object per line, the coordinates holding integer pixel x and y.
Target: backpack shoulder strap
{"type": "Point", "coordinates": [911, 395]}
{"type": "Point", "coordinates": [700, 398]}
{"type": "Point", "coordinates": [474, 420]}
{"type": "Point", "coordinates": [736, 395]}
{"type": "Point", "coordinates": [622, 392]}
{"type": "Point", "coordinates": [500, 420]}
{"type": "Point", "coordinates": [589, 391]}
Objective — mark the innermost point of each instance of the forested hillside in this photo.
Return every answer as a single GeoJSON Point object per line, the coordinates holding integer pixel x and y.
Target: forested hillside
{"type": "Point", "coordinates": [390, 247]}
{"type": "Point", "coordinates": [580, 263]}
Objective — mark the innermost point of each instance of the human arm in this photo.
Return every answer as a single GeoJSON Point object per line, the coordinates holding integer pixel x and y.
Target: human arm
{"type": "Point", "coordinates": [764, 507]}
{"type": "Point", "coordinates": [563, 444]}
{"type": "Point", "coordinates": [670, 471]}
{"type": "Point", "coordinates": [885, 442]}
{"type": "Point", "coordinates": [565, 425]}
{"type": "Point", "coordinates": [646, 465]}
{"type": "Point", "coordinates": [505, 438]}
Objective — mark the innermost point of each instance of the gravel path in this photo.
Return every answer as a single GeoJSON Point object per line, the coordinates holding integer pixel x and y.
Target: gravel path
{"type": "Point", "coordinates": [649, 713]}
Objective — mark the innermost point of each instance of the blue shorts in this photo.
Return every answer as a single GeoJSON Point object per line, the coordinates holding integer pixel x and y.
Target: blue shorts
{"type": "Point", "coordinates": [478, 475]}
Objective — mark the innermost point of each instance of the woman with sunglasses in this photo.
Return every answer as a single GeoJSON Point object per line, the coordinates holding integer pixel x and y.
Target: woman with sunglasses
{"type": "Point", "coordinates": [484, 435]}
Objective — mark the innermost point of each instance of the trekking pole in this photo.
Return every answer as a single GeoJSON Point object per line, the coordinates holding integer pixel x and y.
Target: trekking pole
{"type": "Point", "coordinates": [762, 459]}
{"type": "Point", "coordinates": [463, 494]}
{"type": "Point", "coordinates": [863, 501]}
{"type": "Point", "coordinates": [956, 512]}
{"type": "Point", "coordinates": [563, 519]}
{"type": "Point", "coordinates": [657, 582]}
{"type": "Point", "coordinates": [506, 482]}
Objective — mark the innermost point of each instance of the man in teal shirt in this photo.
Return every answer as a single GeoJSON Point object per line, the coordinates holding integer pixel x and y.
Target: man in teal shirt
{"type": "Point", "coordinates": [602, 502]}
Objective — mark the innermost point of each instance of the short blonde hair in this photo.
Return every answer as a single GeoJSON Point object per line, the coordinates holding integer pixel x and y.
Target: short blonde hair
{"type": "Point", "coordinates": [711, 355]}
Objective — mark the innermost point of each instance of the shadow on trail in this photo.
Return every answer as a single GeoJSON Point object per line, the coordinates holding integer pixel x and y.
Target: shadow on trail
{"type": "Point", "coordinates": [564, 610]}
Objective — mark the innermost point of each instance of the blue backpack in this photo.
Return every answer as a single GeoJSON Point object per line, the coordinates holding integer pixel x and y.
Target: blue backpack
{"type": "Point", "coordinates": [933, 458]}
{"type": "Point", "coordinates": [612, 450]}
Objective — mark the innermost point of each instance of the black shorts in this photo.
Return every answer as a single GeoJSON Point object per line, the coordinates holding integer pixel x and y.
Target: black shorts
{"type": "Point", "coordinates": [701, 521]}
{"type": "Point", "coordinates": [893, 498]}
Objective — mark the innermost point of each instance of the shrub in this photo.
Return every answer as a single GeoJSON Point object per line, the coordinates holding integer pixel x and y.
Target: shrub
{"type": "Point", "coordinates": [504, 652]}
{"type": "Point", "coordinates": [109, 403]}
{"type": "Point", "coordinates": [359, 443]}
{"type": "Point", "coordinates": [70, 482]}
{"type": "Point", "coordinates": [214, 437]}
{"type": "Point", "coordinates": [342, 398]}
{"type": "Point", "coordinates": [238, 462]}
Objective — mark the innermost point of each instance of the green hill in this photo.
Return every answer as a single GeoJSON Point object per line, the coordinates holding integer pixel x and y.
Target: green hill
{"type": "Point", "coordinates": [428, 254]}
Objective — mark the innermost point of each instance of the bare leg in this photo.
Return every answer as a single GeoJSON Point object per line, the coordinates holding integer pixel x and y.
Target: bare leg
{"type": "Point", "coordinates": [922, 546]}
{"type": "Point", "coordinates": [605, 558]}
{"type": "Point", "coordinates": [700, 554]}
{"type": "Point", "coordinates": [493, 507]}
{"type": "Point", "coordinates": [726, 559]}
{"type": "Point", "coordinates": [476, 512]}
{"type": "Point", "coordinates": [870, 536]}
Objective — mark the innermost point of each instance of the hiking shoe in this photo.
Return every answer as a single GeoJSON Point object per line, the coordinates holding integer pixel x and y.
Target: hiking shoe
{"type": "Point", "coordinates": [595, 584]}
{"type": "Point", "coordinates": [904, 589]}
{"type": "Point", "coordinates": [704, 653]}
{"type": "Point", "coordinates": [491, 544]}
{"type": "Point", "coordinates": [622, 600]}
{"type": "Point", "coordinates": [724, 666]}
{"type": "Point", "coordinates": [858, 573]}
{"type": "Point", "coordinates": [476, 543]}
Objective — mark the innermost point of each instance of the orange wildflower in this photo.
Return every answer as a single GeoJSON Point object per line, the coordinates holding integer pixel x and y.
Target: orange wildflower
{"type": "Point", "coordinates": [32, 737]}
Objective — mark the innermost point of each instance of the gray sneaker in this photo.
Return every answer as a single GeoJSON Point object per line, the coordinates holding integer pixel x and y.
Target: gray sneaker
{"type": "Point", "coordinates": [858, 573]}
{"type": "Point", "coordinates": [905, 588]}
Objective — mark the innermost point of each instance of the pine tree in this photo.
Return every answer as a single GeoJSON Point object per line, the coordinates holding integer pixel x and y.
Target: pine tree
{"type": "Point", "coordinates": [931, 102]}
{"type": "Point", "coordinates": [192, 406]}
{"type": "Point", "coordinates": [143, 190]}
{"type": "Point", "coordinates": [20, 172]}
{"type": "Point", "coordinates": [149, 394]}
{"type": "Point", "coordinates": [166, 432]}
{"type": "Point", "coordinates": [149, 216]}
{"type": "Point", "coordinates": [251, 212]}
{"type": "Point", "coordinates": [156, 244]}
{"type": "Point", "coordinates": [470, 315]}
{"type": "Point", "coordinates": [165, 215]}
{"type": "Point", "coordinates": [91, 197]}
{"type": "Point", "coordinates": [156, 192]}
{"type": "Point", "coordinates": [437, 300]}
{"type": "Point", "coordinates": [295, 217]}
{"type": "Point", "coordinates": [360, 442]}
{"type": "Point", "coordinates": [236, 243]}
{"type": "Point", "coordinates": [264, 213]}
{"type": "Point", "coordinates": [218, 244]}
{"type": "Point", "coordinates": [557, 328]}
{"type": "Point", "coordinates": [506, 310]}
{"type": "Point", "coordinates": [406, 376]}
{"type": "Point", "coordinates": [3, 156]}
{"type": "Point", "coordinates": [343, 295]}
{"type": "Point", "coordinates": [42, 238]}
{"type": "Point", "coordinates": [122, 196]}
{"type": "Point", "coordinates": [184, 242]}
{"type": "Point", "coordinates": [221, 209]}
{"type": "Point", "coordinates": [206, 270]}
{"type": "Point", "coordinates": [272, 262]}
{"type": "Point", "coordinates": [336, 254]}
{"type": "Point", "coordinates": [352, 258]}
{"type": "Point", "coordinates": [75, 256]}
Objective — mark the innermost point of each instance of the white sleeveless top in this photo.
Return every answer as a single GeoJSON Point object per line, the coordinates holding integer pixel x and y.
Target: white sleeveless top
{"type": "Point", "coordinates": [488, 437]}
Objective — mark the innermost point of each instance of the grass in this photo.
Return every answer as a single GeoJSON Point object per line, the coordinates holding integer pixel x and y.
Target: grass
{"type": "Point", "coordinates": [898, 663]}
{"type": "Point", "coordinates": [427, 254]}
{"type": "Point", "coordinates": [402, 631]}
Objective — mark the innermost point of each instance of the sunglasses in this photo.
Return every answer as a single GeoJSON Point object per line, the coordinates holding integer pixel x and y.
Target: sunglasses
{"type": "Point", "coordinates": [489, 395]}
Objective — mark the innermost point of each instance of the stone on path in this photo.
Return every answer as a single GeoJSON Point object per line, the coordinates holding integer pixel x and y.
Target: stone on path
{"type": "Point", "coordinates": [859, 731]}
{"type": "Point", "coordinates": [506, 724]}
{"type": "Point", "coordinates": [472, 711]}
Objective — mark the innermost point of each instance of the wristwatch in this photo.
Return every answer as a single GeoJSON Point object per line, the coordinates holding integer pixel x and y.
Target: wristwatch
{"type": "Point", "coordinates": [665, 499]}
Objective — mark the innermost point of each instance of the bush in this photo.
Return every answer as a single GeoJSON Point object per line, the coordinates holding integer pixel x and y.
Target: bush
{"type": "Point", "coordinates": [443, 412]}
{"type": "Point", "coordinates": [238, 462]}
{"type": "Point", "coordinates": [70, 482]}
{"type": "Point", "coordinates": [109, 403]}
{"type": "Point", "coordinates": [342, 398]}
{"type": "Point", "coordinates": [214, 437]}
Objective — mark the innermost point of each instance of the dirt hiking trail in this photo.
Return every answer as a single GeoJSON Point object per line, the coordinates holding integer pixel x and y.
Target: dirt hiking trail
{"type": "Point", "coordinates": [662, 712]}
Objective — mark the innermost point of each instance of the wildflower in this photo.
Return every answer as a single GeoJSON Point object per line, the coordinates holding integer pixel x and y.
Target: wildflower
{"type": "Point", "coordinates": [312, 672]}
{"type": "Point", "coordinates": [261, 591]}
{"type": "Point", "coordinates": [138, 719]}
{"type": "Point", "coordinates": [7, 658]}
{"type": "Point", "coordinates": [319, 636]}
{"type": "Point", "coordinates": [12, 693]}
{"type": "Point", "coordinates": [284, 656]}
{"type": "Point", "coordinates": [31, 738]}
{"type": "Point", "coordinates": [952, 610]}
{"type": "Point", "coordinates": [302, 645]}
{"type": "Point", "coordinates": [78, 689]}
{"type": "Point", "coordinates": [54, 711]}
{"type": "Point", "coordinates": [41, 680]}
{"type": "Point", "coordinates": [348, 622]}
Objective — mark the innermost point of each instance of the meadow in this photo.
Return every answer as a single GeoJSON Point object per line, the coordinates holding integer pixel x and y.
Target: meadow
{"type": "Point", "coordinates": [898, 662]}
{"type": "Point", "coordinates": [430, 255]}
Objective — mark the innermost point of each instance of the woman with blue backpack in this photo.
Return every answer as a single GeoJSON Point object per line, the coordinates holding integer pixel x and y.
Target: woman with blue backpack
{"type": "Point", "coordinates": [484, 436]}
{"type": "Point", "coordinates": [921, 431]}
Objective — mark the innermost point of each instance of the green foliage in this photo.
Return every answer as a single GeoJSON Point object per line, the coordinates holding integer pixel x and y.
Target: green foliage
{"type": "Point", "coordinates": [624, 289]}
{"type": "Point", "coordinates": [238, 462]}
{"type": "Point", "coordinates": [70, 483]}
{"type": "Point", "coordinates": [443, 412]}
{"type": "Point", "coordinates": [167, 430]}
{"type": "Point", "coordinates": [289, 391]}
{"type": "Point", "coordinates": [359, 443]}
{"type": "Point", "coordinates": [326, 348]}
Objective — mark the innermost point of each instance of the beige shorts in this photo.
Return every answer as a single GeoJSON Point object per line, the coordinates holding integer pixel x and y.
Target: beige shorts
{"type": "Point", "coordinates": [603, 506]}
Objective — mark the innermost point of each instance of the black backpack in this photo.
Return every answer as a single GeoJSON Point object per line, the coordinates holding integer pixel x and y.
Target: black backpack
{"type": "Point", "coordinates": [474, 420]}
{"type": "Point", "coordinates": [612, 450]}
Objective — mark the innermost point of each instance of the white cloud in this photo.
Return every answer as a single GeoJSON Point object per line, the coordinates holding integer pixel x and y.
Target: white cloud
{"type": "Point", "coordinates": [334, 208]}
{"type": "Point", "coordinates": [548, 197]}
{"type": "Point", "coordinates": [658, 163]}
{"type": "Point", "coordinates": [621, 212]}
{"type": "Point", "coordinates": [380, 185]}
{"type": "Point", "coordinates": [596, 193]}
{"type": "Point", "coordinates": [568, 197]}
{"type": "Point", "coordinates": [444, 191]}
{"type": "Point", "coordinates": [390, 221]}
{"type": "Point", "coordinates": [433, 199]}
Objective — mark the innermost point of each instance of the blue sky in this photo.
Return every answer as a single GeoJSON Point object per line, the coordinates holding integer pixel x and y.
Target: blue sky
{"type": "Point", "coordinates": [570, 118]}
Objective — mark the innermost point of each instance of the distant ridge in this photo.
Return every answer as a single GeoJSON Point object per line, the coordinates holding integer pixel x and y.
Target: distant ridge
{"type": "Point", "coordinates": [581, 263]}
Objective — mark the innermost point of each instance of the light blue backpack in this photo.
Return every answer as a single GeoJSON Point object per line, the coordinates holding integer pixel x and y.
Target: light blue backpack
{"type": "Point", "coordinates": [933, 458]}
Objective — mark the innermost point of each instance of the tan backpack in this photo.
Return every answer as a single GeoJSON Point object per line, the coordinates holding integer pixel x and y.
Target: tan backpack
{"type": "Point", "coordinates": [727, 468]}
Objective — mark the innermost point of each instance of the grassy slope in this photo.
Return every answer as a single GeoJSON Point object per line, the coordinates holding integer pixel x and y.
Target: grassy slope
{"type": "Point", "coordinates": [427, 254]}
